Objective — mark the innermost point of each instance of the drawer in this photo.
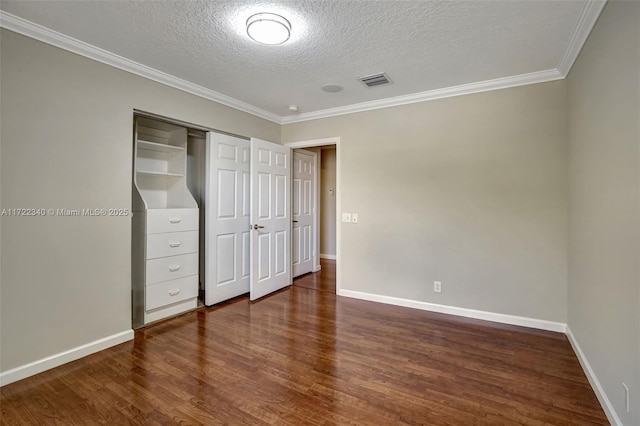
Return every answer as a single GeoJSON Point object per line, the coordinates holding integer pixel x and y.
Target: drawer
{"type": "Point", "coordinates": [171, 244]}
{"type": "Point", "coordinates": [171, 268]}
{"type": "Point", "coordinates": [172, 220]}
{"type": "Point", "coordinates": [170, 310]}
{"type": "Point", "coordinates": [169, 292]}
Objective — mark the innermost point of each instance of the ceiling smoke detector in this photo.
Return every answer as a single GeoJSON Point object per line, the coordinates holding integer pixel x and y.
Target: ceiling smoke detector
{"type": "Point", "coordinates": [375, 79]}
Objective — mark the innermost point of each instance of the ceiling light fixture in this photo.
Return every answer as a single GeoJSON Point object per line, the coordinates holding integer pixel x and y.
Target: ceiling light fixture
{"type": "Point", "coordinates": [268, 28]}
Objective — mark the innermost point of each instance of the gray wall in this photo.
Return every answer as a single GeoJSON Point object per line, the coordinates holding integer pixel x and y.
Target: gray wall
{"type": "Point", "coordinates": [604, 232]}
{"type": "Point", "coordinates": [67, 143]}
{"type": "Point", "coordinates": [328, 201]}
{"type": "Point", "coordinates": [470, 191]}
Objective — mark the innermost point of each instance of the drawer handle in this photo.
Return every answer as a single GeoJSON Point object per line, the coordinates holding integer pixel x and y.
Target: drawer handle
{"type": "Point", "coordinates": [174, 245]}
{"type": "Point", "coordinates": [175, 220]}
{"type": "Point", "coordinates": [174, 268]}
{"type": "Point", "coordinates": [174, 292]}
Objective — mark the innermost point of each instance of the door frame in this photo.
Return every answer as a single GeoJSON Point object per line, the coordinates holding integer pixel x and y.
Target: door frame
{"type": "Point", "coordinates": [323, 142]}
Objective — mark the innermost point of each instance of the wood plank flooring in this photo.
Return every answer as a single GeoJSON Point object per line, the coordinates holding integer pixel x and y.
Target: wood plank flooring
{"type": "Point", "coordinates": [306, 357]}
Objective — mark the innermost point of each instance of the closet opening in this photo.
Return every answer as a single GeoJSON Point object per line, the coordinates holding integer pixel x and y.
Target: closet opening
{"type": "Point", "coordinates": [168, 208]}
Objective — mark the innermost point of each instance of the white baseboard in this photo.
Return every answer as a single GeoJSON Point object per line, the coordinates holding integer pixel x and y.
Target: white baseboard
{"type": "Point", "coordinates": [317, 268]}
{"type": "Point", "coordinates": [328, 256]}
{"type": "Point", "coordinates": [61, 358]}
{"type": "Point", "coordinates": [453, 310]}
{"type": "Point", "coordinates": [593, 380]}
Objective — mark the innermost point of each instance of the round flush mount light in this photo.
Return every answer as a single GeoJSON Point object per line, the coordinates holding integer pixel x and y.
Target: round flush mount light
{"type": "Point", "coordinates": [331, 88]}
{"type": "Point", "coordinates": [268, 28]}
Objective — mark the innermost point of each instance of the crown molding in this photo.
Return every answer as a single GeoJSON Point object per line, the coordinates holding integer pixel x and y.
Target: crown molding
{"type": "Point", "coordinates": [447, 92]}
{"type": "Point", "coordinates": [587, 20]}
{"type": "Point", "coordinates": [54, 38]}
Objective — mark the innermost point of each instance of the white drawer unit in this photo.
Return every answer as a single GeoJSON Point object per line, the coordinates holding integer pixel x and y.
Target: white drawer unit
{"type": "Point", "coordinates": [172, 220]}
{"type": "Point", "coordinates": [165, 227]}
{"type": "Point", "coordinates": [171, 244]}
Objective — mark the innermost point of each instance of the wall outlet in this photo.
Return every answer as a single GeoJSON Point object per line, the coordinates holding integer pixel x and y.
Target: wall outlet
{"type": "Point", "coordinates": [346, 217]}
{"type": "Point", "coordinates": [354, 217]}
{"type": "Point", "coordinates": [437, 286]}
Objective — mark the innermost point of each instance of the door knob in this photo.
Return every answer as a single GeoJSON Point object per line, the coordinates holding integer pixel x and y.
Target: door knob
{"type": "Point", "coordinates": [256, 226]}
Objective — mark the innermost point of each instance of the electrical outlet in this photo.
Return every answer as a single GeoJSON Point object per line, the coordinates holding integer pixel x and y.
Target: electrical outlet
{"type": "Point", "coordinates": [354, 217]}
{"type": "Point", "coordinates": [346, 217]}
{"type": "Point", "coordinates": [437, 286]}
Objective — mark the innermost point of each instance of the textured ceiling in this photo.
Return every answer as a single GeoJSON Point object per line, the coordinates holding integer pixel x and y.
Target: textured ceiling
{"type": "Point", "coordinates": [421, 45]}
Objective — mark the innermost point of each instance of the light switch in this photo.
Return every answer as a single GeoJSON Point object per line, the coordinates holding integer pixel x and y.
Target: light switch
{"type": "Point", "coordinates": [346, 217]}
{"type": "Point", "coordinates": [354, 217]}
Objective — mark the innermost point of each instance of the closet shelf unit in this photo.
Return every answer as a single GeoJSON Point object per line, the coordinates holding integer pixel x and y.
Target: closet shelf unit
{"type": "Point", "coordinates": [165, 257]}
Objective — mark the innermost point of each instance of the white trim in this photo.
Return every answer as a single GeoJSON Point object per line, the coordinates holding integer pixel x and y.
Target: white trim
{"type": "Point", "coordinates": [447, 92]}
{"type": "Point", "coordinates": [315, 142]}
{"type": "Point", "coordinates": [54, 38]}
{"type": "Point", "coordinates": [328, 256]}
{"type": "Point", "coordinates": [587, 20]}
{"type": "Point", "coordinates": [612, 416]}
{"type": "Point", "coordinates": [317, 268]}
{"type": "Point", "coordinates": [454, 310]}
{"type": "Point", "coordinates": [323, 142]}
{"type": "Point", "coordinates": [33, 368]}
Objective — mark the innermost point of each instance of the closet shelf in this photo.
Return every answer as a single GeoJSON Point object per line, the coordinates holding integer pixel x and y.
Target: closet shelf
{"type": "Point", "coordinates": [150, 173]}
{"type": "Point", "coordinates": [160, 147]}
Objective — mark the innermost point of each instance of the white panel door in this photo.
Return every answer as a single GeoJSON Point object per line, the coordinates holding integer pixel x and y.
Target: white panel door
{"type": "Point", "coordinates": [227, 231]}
{"type": "Point", "coordinates": [303, 200]}
{"type": "Point", "coordinates": [270, 217]}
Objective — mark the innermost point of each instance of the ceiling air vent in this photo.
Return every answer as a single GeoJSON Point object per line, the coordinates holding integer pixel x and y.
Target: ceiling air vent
{"type": "Point", "coordinates": [375, 79]}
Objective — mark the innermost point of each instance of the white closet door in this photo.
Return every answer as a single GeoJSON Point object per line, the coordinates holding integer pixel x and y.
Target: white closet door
{"type": "Point", "coordinates": [270, 217]}
{"type": "Point", "coordinates": [304, 209]}
{"type": "Point", "coordinates": [227, 232]}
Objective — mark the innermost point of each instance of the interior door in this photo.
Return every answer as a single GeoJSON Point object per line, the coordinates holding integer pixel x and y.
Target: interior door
{"type": "Point", "coordinates": [303, 211]}
{"type": "Point", "coordinates": [270, 218]}
{"type": "Point", "coordinates": [227, 234]}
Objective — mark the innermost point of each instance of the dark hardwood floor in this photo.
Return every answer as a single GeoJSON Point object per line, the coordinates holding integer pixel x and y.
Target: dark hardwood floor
{"type": "Point", "coordinates": [305, 357]}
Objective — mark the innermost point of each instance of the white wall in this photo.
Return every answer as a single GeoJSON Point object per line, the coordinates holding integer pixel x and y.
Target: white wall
{"type": "Point", "coordinates": [470, 191]}
{"type": "Point", "coordinates": [604, 232]}
{"type": "Point", "coordinates": [328, 201]}
{"type": "Point", "coordinates": [66, 140]}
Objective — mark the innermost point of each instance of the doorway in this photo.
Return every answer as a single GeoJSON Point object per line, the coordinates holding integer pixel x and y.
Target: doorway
{"type": "Point", "coordinates": [326, 275]}
{"type": "Point", "coordinates": [323, 280]}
